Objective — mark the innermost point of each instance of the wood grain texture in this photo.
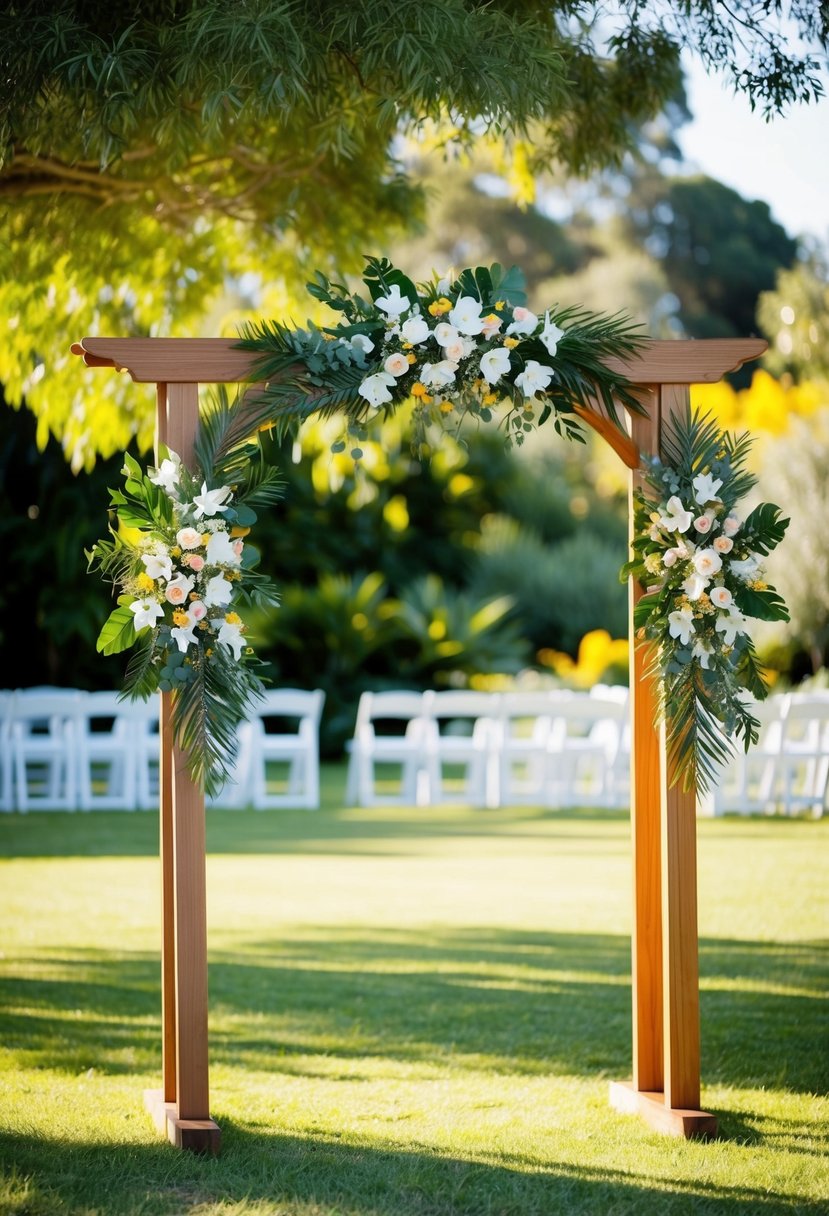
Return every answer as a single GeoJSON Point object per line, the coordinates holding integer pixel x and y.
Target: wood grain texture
{"type": "Point", "coordinates": [645, 785]}
{"type": "Point", "coordinates": [680, 968]}
{"type": "Point", "coordinates": [671, 1121]}
{"type": "Point", "coordinates": [214, 360]}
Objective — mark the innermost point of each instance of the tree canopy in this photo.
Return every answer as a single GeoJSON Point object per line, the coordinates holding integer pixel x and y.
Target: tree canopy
{"type": "Point", "coordinates": [148, 152]}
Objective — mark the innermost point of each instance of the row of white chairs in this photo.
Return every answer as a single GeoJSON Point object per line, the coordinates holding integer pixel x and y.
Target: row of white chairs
{"type": "Point", "coordinates": [554, 748]}
{"type": "Point", "coordinates": [563, 749]}
{"type": "Point", "coordinates": [63, 749]}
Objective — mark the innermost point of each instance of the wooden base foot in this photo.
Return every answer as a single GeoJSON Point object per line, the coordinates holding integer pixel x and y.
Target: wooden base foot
{"type": "Point", "coordinates": [196, 1135]}
{"type": "Point", "coordinates": [694, 1124]}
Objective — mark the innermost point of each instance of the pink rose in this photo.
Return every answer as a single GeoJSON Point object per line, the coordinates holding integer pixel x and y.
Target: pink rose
{"type": "Point", "coordinates": [188, 538]}
{"type": "Point", "coordinates": [721, 596]}
{"type": "Point", "coordinates": [194, 561]}
{"type": "Point", "coordinates": [723, 544]}
{"type": "Point", "coordinates": [702, 523]}
{"type": "Point", "coordinates": [178, 589]}
{"type": "Point", "coordinates": [731, 525]}
{"type": "Point", "coordinates": [197, 610]}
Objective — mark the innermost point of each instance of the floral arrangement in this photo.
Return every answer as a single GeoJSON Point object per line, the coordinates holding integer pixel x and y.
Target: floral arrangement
{"type": "Point", "coordinates": [179, 555]}
{"type": "Point", "coordinates": [700, 563]}
{"type": "Point", "coordinates": [460, 346]}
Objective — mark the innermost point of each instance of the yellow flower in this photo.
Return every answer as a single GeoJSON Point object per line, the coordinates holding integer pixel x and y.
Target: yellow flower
{"type": "Point", "coordinates": [233, 618]}
{"type": "Point", "coordinates": [407, 346]}
{"type": "Point", "coordinates": [446, 407]}
{"type": "Point", "coordinates": [180, 618]}
{"type": "Point", "coordinates": [440, 307]}
{"type": "Point", "coordinates": [419, 390]}
{"type": "Point", "coordinates": [237, 531]}
{"type": "Point", "coordinates": [412, 358]}
{"type": "Point", "coordinates": [144, 582]}
{"type": "Point", "coordinates": [490, 398]}
{"type": "Point", "coordinates": [510, 342]}
{"type": "Point", "coordinates": [500, 304]}
{"type": "Point", "coordinates": [205, 537]}
{"type": "Point", "coordinates": [176, 551]}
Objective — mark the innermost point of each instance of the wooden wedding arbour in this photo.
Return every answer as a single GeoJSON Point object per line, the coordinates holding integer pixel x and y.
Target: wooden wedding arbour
{"type": "Point", "coordinates": [665, 1088]}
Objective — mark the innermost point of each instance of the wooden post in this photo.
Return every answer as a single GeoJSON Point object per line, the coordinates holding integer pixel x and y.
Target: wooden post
{"type": "Point", "coordinates": [182, 1107]}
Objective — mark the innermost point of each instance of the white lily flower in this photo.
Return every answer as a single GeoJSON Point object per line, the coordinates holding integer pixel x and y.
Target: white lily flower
{"type": "Point", "coordinates": [694, 586]}
{"type": "Point", "coordinates": [362, 342]}
{"type": "Point", "coordinates": [183, 636]}
{"type": "Point", "coordinates": [220, 551]}
{"type": "Point", "coordinates": [394, 304]}
{"type": "Point", "coordinates": [230, 635]}
{"type": "Point", "coordinates": [158, 564]}
{"type": "Point", "coordinates": [550, 335]}
{"type": "Point", "coordinates": [375, 388]}
{"type": "Point", "coordinates": [676, 519]}
{"type": "Point", "coordinates": [211, 502]}
{"type": "Point", "coordinates": [437, 375]}
{"type": "Point", "coordinates": [681, 625]}
{"type": "Point", "coordinates": [167, 475]}
{"type": "Point", "coordinates": [534, 378]}
{"type": "Point", "coordinates": [466, 316]}
{"type": "Point", "coordinates": [217, 592]}
{"type": "Point", "coordinates": [415, 330]}
{"type": "Point", "coordinates": [729, 625]}
{"type": "Point", "coordinates": [495, 364]}
{"type": "Point", "coordinates": [705, 487]}
{"type": "Point", "coordinates": [523, 322]}
{"type": "Point", "coordinates": [700, 651]}
{"type": "Point", "coordinates": [146, 612]}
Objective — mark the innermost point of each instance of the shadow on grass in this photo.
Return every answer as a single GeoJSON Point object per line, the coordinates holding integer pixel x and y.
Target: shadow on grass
{"type": "Point", "coordinates": [515, 1002]}
{"type": "Point", "coordinates": [260, 1173]}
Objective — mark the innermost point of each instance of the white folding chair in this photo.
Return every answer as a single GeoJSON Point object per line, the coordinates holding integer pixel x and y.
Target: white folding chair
{"type": "Point", "coordinates": [147, 753]}
{"type": "Point", "coordinates": [804, 753]}
{"type": "Point", "coordinates": [389, 732]}
{"type": "Point", "coordinates": [583, 749]}
{"type": "Point", "coordinates": [748, 782]}
{"type": "Point", "coordinates": [298, 748]}
{"type": "Point", "coordinates": [43, 745]}
{"type": "Point", "coordinates": [461, 735]}
{"type": "Point", "coordinates": [108, 744]}
{"type": "Point", "coordinates": [6, 764]}
{"type": "Point", "coordinates": [525, 726]}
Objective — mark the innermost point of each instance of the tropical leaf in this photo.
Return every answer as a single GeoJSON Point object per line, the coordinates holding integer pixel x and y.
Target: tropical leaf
{"type": "Point", "coordinates": [766, 527]}
{"type": "Point", "coordinates": [765, 604]}
{"type": "Point", "coordinates": [118, 631]}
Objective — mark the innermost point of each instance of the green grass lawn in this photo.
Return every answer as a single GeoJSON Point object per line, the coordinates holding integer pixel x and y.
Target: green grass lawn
{"type": "Point", "coordinates": [413, 1013]}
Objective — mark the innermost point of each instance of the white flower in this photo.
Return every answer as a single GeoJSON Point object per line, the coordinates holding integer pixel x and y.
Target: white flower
{"type": "Point", "coordinates": [705, 487]}
{"type": "Point", "coordinates": [466, 315]}
{"type": "Point", "coordinates": [230, 635]}
{"type": "Point", "coordinates": [731, 525]}
{"type": "Point", "coordinates": [158, 564]}
{"type": "Point", "coordinates": [550, 335]}
{"type": "Point", "coordinates": [446, 333]}
{"type": "Point", "coordinates": [436, 375]}
{"type": "Point", "coordinates": [694, 586]}
{"type": "Point", "coordinates": [394, 304]}
{"type": "Point", "coordinates": [444, 283]}
{"type": "Point", "coordinates": [167, 474]}
{"type": "Point", "coordinates": [723, 544]}
{"type": "Point", "coordinates": [221, 552]}
{"type": "Point", "coordinates": [707, 562]}
{"type": "Point", "coordinates": [459, 349]}
{"type": "Point", "coordinates": [211, 502]}
{"type": "Point", "coordinates": [147, 612]}
{"type": "Point", "coordinates": [729, 625]}
{"type": "Point", "coordinates": [184, 636]}
{"type": "Point", "coordinates": [396, 365]}
{"type": "Point", "coordinates": [534, 378]}
{"type": "Point", "coordinates": [700, 651]}
{"type": "Point", "coordinates": [196, 611]}
{"type": "Point", "coordinates": [747, 568]}
{"type": "Point", "coordinates": [178, 589]}
{"type": "Point", "coordinates": [681, 624]}
{"type": "Point", "coordinates": [188, 538]}
{"type": "Point", "coordinates": [375, 388]}
{"type": "Point", "coordinates": [491, 325]}
{"type": "Point", "coordinates": [218, 591]}
{"type": "Point", "coordinates": [495, 364]}
{"type": "Point", "coordinates": [362, 343]}
{"type": "Point", "coordinates": [721, 596]}
{"type": "Point", "coordinates": [415, 330]}
{"type": "Point", "coordinates": [523, 322]}
{"type": "Point", "coordinates": [676, 519]}
{"type": "Point", "coordinates": [669, 558]}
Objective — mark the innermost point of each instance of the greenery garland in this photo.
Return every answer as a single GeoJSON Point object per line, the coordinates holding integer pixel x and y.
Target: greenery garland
{"type": "Point", "coordinates": [460, 347]}
{"type": "Point", "coordinates": [179, 554]}
{"type": "Point", "coordinates": [700, 565]}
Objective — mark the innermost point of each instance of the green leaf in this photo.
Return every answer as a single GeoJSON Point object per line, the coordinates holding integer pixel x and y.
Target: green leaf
{"type": "Point", "coordinates": [118, 632]}
{"type": "Point", "coordinates": [765, 605]}
{"type": "Point", "coordinates": [766, 527]}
